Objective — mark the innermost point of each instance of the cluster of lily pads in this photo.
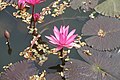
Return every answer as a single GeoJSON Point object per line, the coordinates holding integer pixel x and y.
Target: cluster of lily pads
{"type": "Point", "coordinates": [99, 50]}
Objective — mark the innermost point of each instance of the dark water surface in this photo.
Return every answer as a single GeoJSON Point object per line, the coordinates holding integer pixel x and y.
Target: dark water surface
{"type": "Point", "coordinates": [19, 39]}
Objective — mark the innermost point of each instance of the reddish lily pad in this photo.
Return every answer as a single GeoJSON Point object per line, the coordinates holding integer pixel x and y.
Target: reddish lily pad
{"type": "Point", "coordinates": [105, 33]}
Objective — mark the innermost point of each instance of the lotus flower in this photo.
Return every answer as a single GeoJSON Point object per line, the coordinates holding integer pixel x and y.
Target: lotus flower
{"type": "Point", "coordinates": [33, 2]}
{"type": "Point", "coordinates": [62, 38]}
{"type": "Point", "coordinates": [21, 4]}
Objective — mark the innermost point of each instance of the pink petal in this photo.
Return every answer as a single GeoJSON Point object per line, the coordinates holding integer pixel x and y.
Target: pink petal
{"type": "Point", "coordinates": [62, 39]}
{"type": "Point", "coordinates": [33, 2]}
{"type": "Point", "coordinates": [42, 1]}
{"type": "Point", "coordinates": [59, 48]}
{"type": "Point", "coordinates": [48, 37]}
{"type": "Point", "coordinates": [54, 42]}
{"type": "Point", "coordinates": [61, 29]}
{"type": "Point", "coordinates": [65, 33]}
{"type": "Point", "coordinates": [52, 38]}
{"type": "Point", "coordinates": [56, 32]}
{"type": "Point", "coordinates": [71, 33]}
{"type": "Point", "coordinates": [66, 30]}
{"type": "Point", "coordinates": [21, 4]}
{"type": "Point", "coordinates": [71, 39]}
{"type": "Point", "coordinates": [69, 45]}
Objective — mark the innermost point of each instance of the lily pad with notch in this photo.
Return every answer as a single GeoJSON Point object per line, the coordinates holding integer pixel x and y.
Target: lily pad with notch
{"type": "Point", "coordinates": [97, 66]}
{"type": "Point", "coordinates": [105, 32]}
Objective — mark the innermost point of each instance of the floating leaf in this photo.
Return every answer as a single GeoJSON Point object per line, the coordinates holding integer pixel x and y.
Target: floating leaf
{"type": "Point", "coordinates": [89, 54]}
{"type": "Point", "coordinates": [19, 71]}
{"type": "Point", "coordinates": [105, 33]}
{"type": "Point", "coordinates": [109, 8]}
{"type": "Point", "coordinates": [84, 4]}
{"type": "Point", "coordinates": [102, 59]}
{"type": "Point", "coordinates": [79, 70]}
{"type": "Point", "coordinates": [11, 1]}
{"type": "Point", "coordinates": [97, 66]}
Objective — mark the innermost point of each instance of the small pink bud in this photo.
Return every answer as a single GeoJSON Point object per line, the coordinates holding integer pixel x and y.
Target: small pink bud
{"type": "Point", "coordinates": [6, 34]}
{"type": "Point", "coordinates": [36, 17]}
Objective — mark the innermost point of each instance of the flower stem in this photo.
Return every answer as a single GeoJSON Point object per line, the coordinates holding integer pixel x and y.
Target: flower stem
{"type": "Point", "coordinates": [62, 58]}
{"type": "Point", "coordinates": [32, 16]}
{"type": "Point", "coordinates": [63, 62]}
{"type": "Point", "coordinates": [33, 10]}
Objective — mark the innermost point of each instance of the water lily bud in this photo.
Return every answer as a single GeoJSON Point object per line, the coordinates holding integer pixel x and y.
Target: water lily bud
{"type": "Point", "coordinates": [6, 34]}
{"type": "Point", "coordinates": [36, 17]}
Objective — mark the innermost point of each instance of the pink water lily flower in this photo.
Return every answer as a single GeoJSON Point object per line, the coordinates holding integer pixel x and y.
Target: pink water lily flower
{"type": "Point", "coordinates": [34, 2]}
{"type": "Point", "coordinates": [62, 38]}
{"type": "Point", "coordinates": [21, 4]}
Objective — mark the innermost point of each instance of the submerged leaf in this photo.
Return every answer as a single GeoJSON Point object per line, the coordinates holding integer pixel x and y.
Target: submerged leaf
{"type": "Point", "coordinates": [109, 8]}
{"type": "Point", "coordinates": [105, 33]}
{"type": "Point", "coordinates": [19, 71]}
{"type": "Point", "coordinates": [84, 4]}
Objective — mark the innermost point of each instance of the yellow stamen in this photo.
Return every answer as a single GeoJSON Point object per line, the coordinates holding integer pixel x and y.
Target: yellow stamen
{"type": "Point", "coordinates": [101, 33]}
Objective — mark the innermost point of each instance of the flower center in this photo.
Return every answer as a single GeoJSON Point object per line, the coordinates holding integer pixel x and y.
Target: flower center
{"type": "Point", "coordinates": [96, 68]}
{"type": "Point", "coordinates": [101, 33]}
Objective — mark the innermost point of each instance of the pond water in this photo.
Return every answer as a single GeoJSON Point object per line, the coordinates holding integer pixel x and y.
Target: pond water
{"type": "Point", "coordinates": [99, 59]}
{"type": "Point", "coordinates": [19, 39]}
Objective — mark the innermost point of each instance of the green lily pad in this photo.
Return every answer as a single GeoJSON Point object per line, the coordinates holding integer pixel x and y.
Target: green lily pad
{"type": "Point", "coordinates": [109, 8]}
